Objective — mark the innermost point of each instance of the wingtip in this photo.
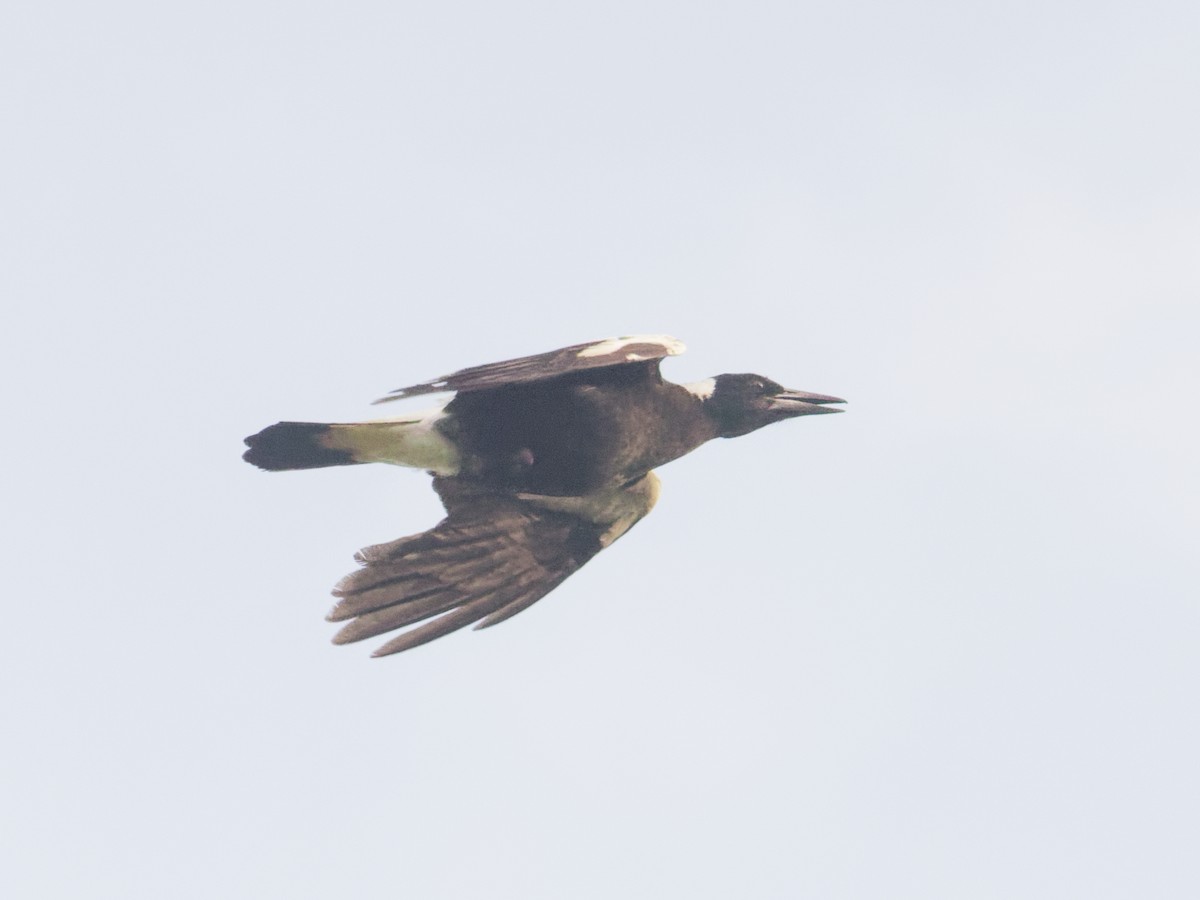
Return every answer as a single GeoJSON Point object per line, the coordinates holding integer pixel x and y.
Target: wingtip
{"type": "Point", "coordinates": [416, 390]}
{"type": "Point", "coordinates": [394, 646]}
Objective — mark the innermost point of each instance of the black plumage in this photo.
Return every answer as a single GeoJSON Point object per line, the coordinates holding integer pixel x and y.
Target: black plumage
{"type": "Point", "coordinates": [540, 461]}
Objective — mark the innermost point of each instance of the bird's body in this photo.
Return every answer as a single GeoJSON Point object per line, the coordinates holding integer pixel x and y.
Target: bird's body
{"type": "Point", "coordinates": [540, 461]}
{"type": "Point", "coordinates": [576, 434]}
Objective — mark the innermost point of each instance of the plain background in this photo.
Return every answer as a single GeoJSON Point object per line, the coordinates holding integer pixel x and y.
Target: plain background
{"type": "Point", "coordinates": [942, 646]}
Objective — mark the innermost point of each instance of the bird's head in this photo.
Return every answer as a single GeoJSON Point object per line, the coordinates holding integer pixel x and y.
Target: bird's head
{"type": "Point", "coordinates": [739, 404]}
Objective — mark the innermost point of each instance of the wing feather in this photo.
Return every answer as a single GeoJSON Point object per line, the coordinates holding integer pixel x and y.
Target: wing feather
{"type": "Point", "coordinates": [494, 555]}
{"type": "Point", "coordinates": [634, 349]}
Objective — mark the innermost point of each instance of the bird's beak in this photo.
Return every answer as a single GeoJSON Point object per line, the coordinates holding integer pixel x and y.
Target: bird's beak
{"type": "Point", "coordinates": [802, 403]}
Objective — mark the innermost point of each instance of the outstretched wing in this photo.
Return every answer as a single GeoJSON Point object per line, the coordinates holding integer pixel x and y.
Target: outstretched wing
{"type": "Point", "coordinates": [493, 555]}
{"type": "Point", "coordinates": [577, 358]}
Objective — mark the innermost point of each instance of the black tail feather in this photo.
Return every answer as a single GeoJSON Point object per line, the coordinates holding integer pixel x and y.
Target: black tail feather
{"type": "Point", "coordinates": [293, 445]}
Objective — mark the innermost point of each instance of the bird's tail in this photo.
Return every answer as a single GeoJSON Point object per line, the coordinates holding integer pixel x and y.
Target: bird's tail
{"type": "Point", "coordinates": [314, 445]}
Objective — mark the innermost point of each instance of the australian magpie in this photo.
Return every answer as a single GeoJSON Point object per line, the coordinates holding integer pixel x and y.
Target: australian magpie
{"type": "Point", "coordinates": [541, 462]}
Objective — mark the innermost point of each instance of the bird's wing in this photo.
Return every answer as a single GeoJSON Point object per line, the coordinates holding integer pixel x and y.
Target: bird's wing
{"type": "Point", "coordinates": [636, 348]}
{"type": "Point", "coordinates": [491, 557]}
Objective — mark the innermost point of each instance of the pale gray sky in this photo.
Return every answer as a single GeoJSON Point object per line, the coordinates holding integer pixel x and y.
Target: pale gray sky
{"type": "Point", "coordinates": [942, 646]}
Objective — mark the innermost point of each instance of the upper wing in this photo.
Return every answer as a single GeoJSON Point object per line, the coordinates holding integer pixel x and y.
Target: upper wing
{"type": "Point", "coordinates": [491, 557]}
{"type": "Point", "coordinates": [577, 358]}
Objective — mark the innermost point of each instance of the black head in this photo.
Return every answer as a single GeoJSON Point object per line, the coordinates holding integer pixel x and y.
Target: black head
{"type": "Point", "coordinates": [740, 404]}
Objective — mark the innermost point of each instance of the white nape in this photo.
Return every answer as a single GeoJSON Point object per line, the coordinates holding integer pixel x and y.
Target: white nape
{"type": "Point", "coordinates": [702, 390]}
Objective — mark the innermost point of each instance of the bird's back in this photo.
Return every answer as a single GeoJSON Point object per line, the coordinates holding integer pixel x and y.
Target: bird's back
{"type": "Point", "coordinates": [571, 436]}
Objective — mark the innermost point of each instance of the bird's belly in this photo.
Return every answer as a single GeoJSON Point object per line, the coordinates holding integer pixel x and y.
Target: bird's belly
{"type": "Point", "coordinates": [563, 441]}
{"type": "Point", "coordinates": [555, 450]}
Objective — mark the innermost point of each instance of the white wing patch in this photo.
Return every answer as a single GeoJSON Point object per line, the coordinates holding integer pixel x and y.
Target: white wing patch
{"type": "Point", "coordinates": [702, 390]}
{"type": "Point", "coordinates": [613, 346]}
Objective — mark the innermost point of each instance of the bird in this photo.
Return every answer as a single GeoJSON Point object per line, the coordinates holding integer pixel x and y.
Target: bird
{"type": "Point", "coordinates": [540, 462]}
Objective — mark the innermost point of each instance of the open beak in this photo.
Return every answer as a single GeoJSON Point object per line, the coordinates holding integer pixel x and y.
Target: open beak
{"type": "Point", "coordinates": [802, 403]}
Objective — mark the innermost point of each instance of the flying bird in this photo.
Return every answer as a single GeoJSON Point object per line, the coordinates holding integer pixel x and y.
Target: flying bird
{"type": "Point", "coordinates": [541, 462]}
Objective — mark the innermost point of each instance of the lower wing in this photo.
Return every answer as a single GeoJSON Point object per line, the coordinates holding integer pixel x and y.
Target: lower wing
{"type": "Point", "coordinates": [493, 555]}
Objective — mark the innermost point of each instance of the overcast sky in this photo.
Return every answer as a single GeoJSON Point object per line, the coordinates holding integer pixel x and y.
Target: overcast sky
{"type": "Point", "coordinates": [943, 646]}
